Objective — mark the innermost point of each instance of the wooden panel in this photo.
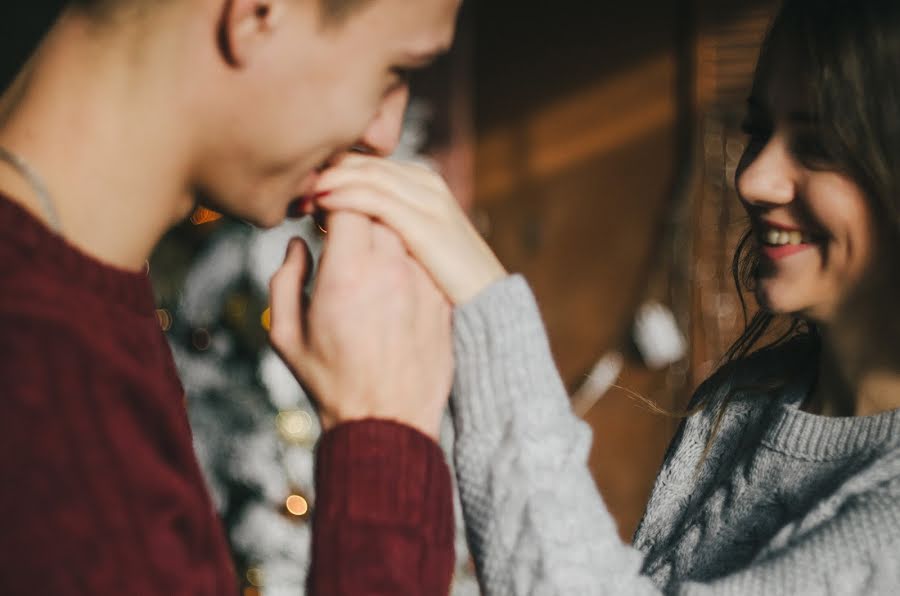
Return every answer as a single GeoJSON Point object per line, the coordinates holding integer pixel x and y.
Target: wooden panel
{"type": "Point", "coordinates": [728, 46]}
{"type": "Point", "coordinates": [574, 157]}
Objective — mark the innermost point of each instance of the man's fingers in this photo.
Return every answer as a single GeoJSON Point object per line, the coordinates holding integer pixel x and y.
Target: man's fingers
{"type": "Point", "coordinates": [286, 298]}
{"type": "Point", "coordinates": [386, 242]}
{"type": "Point", "coordinates": [349, 238]}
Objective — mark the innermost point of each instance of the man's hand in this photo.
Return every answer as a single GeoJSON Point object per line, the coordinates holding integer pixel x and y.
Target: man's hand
{"type": "Point", "coordinates": [375, 339]}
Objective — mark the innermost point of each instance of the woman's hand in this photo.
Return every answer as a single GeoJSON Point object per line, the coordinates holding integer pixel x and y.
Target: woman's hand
{"type": "Point", "coordinates": [375, 339]}
{"type": "Point", "coordinates": [416, 203]}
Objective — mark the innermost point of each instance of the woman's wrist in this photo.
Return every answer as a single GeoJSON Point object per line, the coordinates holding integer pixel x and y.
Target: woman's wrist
{"type": "Point", "coordinates": [488, 271]}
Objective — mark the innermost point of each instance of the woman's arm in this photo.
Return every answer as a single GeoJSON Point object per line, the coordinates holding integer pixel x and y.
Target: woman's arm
{"type": "Point", "coordinates": [535, 520]}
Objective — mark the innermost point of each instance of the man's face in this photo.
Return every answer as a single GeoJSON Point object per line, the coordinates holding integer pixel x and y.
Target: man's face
{"type": "Point", "coordinates": [305, 91]}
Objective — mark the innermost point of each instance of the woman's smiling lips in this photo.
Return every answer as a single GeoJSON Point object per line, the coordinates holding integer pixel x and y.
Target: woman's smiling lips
{"type": "Point", "coordinates": [777, 241]}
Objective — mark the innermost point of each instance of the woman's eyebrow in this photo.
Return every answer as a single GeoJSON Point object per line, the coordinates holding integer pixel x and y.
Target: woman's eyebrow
{"type": "Point", "coordinates": [801, 117]}
{"type": "Point", "coordinates": [755, 106]}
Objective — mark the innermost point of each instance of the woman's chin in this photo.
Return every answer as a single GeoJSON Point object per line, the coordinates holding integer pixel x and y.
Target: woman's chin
{"type": "Point", "coordinates": [776, 300]}
{"type": "Point", "coordinates": [782, 301]}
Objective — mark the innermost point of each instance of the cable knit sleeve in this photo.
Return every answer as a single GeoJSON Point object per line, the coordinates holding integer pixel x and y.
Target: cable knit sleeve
{"type": "Point", "coordinates": [384, 514]}
{"type": "Point", "coordinates": [535, 520]}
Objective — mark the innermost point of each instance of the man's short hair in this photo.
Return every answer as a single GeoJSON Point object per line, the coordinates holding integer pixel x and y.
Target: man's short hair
{"type": "Point", "coordinates": [333, 11]}
{"type": "Point", "coordinates": [338, 10]}
{"type": "Point", "coordinates": [23, 25]}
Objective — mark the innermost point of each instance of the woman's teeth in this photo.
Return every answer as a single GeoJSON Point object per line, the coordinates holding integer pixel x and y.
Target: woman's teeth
{"type": "Point", "coordinates": [775, 237]}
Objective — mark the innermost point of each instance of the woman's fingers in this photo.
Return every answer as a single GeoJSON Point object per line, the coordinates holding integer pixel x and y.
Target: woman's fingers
{"type": "Point", "coordinates": [410, 227]}
{"type": "Point", "coordinates": [374, 203]}
{"type": "Point", "coordinates": [418, 206]}
{"type": "Point", "coordinates": [414, 186]}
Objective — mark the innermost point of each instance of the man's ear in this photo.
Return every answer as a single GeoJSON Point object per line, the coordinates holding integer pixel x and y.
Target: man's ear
{"type": "Point", "coordinates": [245, 26]}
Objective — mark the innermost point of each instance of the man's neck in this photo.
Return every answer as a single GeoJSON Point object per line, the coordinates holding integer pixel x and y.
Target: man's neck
{"type": "Point", "coordinates": [98, 126]}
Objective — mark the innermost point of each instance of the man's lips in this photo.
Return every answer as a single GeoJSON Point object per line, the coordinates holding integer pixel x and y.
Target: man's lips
{"type": "Point", "coordinates": [308, 183]}
{"type": "Point", "coordinates": [305, 205]}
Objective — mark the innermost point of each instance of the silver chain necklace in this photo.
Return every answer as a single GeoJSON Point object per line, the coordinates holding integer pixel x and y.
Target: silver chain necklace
{"type": "Point", "coordinates": [37, 184]}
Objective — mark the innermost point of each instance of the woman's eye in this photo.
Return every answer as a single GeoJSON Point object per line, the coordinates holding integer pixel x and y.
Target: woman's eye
{"type": "Point", "coordinates": [758, 136]}
{"type": "Point", "coordinates": [809, 149]}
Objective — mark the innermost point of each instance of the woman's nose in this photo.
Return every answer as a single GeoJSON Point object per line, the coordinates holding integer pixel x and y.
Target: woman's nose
{"type": "Point", "coordinates": [767, 175]}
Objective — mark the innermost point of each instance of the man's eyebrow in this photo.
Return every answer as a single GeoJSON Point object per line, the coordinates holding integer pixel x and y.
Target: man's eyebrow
{"type": "Point", "coordinates": [424, 58]}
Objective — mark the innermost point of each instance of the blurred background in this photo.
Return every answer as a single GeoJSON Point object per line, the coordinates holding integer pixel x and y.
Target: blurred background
{"type": "Point", "coordinates": [594, 145]}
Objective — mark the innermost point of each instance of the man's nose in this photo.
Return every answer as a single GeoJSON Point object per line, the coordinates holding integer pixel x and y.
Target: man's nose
{"type": "Point", "coordinates": [768, 175]}
{"type": "Point", "coordinates": [383, 133]}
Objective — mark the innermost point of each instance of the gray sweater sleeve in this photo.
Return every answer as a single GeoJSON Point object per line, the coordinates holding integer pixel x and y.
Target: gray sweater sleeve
{"type": "Point", "coordinates": [536, 523]}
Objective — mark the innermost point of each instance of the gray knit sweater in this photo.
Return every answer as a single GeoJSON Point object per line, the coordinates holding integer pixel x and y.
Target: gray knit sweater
{"type": "Point", "coordinates": [785, 503]}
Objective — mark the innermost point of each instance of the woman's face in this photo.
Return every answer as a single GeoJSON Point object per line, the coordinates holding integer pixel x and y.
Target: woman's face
{"type": "Point", "coordinates": [812, 225]}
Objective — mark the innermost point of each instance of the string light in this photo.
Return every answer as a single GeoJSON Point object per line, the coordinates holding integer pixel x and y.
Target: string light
{"type": "Point", "coordinates": [165, 319]}
{"type": "Point", "coordinates": [295, 426]}
{"type": "Point", "coordinates": [236, 308]}
{"type": "Point", "coordinates": [296, 505]}
{"type": "Point", "coordinates": [201, 340]}
{"type": "Point", "coordinates": [203, 215]}
{"type": "Point", "coordinates": [254, 577]}
{"type": "Point", "coordinates": [319, 218]}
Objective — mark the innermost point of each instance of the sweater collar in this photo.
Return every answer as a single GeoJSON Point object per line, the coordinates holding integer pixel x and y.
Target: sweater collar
{"type": "Point", "coordinates": [42, 248]}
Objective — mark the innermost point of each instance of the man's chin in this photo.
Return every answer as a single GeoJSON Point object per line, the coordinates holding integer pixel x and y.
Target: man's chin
{"type": "Point", "coordinates": [267, 221]}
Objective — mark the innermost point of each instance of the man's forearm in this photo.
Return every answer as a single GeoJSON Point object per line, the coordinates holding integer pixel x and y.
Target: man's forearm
{"type": "Point", "coordinates": [383, 522]}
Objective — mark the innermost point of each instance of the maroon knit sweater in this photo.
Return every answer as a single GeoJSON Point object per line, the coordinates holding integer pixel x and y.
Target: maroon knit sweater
{"type": "Point", "coordinates": [101, 493]}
